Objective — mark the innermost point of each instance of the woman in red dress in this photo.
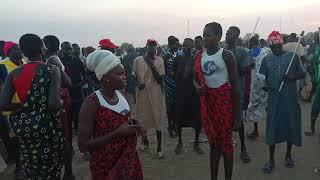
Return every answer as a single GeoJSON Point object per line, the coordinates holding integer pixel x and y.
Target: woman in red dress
{"type": "Point", "coordinates": [217, 84]}
{"type": "Point", "coordinates": [105, 128]}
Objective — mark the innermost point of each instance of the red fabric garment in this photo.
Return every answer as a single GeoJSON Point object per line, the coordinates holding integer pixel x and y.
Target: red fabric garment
{"type": "Point", "coordinates": [119, 159]}
{"type": "Point", "coordinates": [7, 47]}
{"type": "Point", "coordinates": [216, 112]}
{"type": "Point", "coordinates": [247, 88]}
{"type": "Point", "coordinates": [22, 82]}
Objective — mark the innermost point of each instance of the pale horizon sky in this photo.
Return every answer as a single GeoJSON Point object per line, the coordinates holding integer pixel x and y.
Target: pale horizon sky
{"type": "Point", "coordinates": [86, 22]}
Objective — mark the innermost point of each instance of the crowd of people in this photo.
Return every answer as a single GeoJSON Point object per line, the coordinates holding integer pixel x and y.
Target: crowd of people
{"type": "Point", "coordinates": [108, 97]}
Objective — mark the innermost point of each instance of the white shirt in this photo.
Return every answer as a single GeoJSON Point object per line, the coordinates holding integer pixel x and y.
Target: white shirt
{"type": "Point", "coordinates": [122, 107]}
{"type": "Point", "coordinates": [214, 69]}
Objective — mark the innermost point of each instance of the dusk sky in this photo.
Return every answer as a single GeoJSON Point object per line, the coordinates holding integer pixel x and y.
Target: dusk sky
{"type": "Point", "coordinates": [87, 21]}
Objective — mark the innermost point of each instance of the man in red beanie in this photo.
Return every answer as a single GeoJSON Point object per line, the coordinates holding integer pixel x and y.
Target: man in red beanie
{"type": "Point", "coordinates": [284, 112]}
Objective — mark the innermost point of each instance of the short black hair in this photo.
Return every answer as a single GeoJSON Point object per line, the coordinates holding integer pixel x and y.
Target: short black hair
{"type": "Point", "coordinates": [64, 43]}
{"type": "Point", "coordinates": [52, 43]}
{"type": "Point", "coordinates": [31, 45]}
{"type": "Point", "coordinates": [285, 37]}
{"type": "Point", "coordinates": [216, 28]}
{"type": "Point", "coordinates": [263, 42]}
{"type": "Point", "coordinates": [198, 37]}
{"type": "Point", "coordinates": [75, 44]}
{"type": "Point", "coordinates": [1, 48]}
{"type": "Point", "coordinates": [235, 28]}
{"type": "Point", "coordinates": [189, 39]}
{"type": "Point", "coordinates": [293, 35]}
{"type": "Point", "coordinates": [172, 40]}
{"type": "Point", "coordinates": [254, 40]}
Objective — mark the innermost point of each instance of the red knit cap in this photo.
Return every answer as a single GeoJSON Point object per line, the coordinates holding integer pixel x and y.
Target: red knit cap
{"type": "Point", "coordinates": [7, 47]}
{"type": "Point", "coordinates": [275, 38]}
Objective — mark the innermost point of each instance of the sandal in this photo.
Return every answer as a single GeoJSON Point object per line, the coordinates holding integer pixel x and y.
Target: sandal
{"type": "Point", "coordinates": [245, 157]}
{"type": "Point", "coordinates": [268, 168]}
{"type": "Point", "coordinates": [198, 149]}
{"type": "Point", "coordinates": [317, 171]}
{"type": "Point", "coordinates": [309, 133]}
{"type": "Point", "coordinates": [178, 149]}
{"type": "Point", "coordinates": [289, 162]}
{"type": "Point", "coordinates": [171, 132]}
{"type": "Point", "coordinates": [253, 135]}
{"type": "Point", "coordinates": [144, 145]}
{"type": "Point", "coordinates": [160, 155]}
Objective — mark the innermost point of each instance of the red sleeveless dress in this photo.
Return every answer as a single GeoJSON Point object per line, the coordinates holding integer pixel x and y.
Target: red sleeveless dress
{"type": "Point", "coordinates": [119, 159]}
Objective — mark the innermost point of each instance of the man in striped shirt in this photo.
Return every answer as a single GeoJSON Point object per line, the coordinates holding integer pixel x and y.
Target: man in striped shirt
{"type": "Point", "coordinates": [169, 83]}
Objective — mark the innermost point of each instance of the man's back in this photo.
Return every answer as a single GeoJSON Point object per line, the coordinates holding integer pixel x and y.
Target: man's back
{"type": "Point", "coordinates": [291, 46]}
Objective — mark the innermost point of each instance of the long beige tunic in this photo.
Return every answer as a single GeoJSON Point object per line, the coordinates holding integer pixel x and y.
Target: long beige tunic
{"type": "Point", "coordinates": [150, 106]}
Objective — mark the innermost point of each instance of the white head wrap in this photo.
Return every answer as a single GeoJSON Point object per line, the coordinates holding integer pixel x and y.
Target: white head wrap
{"type": "Point", "coordinates": [101, 62]}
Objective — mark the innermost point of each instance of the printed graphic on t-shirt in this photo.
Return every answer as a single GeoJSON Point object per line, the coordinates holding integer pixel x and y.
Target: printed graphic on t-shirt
{"type": "Point", "coordinates": [210, 68]}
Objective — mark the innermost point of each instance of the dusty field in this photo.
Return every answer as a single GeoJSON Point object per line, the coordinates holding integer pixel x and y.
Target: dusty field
{"type": "Point", "coordinates": [190, 166]}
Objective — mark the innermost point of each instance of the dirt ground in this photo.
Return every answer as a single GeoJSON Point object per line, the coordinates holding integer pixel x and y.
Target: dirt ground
{"type": "Point", "coordinates": [190, 166]}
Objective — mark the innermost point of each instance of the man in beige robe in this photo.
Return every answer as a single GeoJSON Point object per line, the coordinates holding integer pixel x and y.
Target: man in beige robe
{"type": "Point", "coordinates": [150, 106]}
